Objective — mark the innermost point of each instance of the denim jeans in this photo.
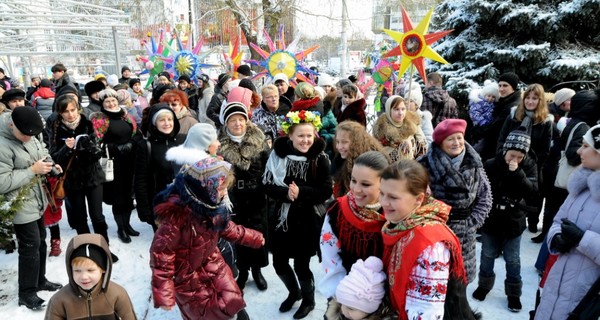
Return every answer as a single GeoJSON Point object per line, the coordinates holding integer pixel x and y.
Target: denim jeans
{"type": "Point", "coordinates": [491, 247]}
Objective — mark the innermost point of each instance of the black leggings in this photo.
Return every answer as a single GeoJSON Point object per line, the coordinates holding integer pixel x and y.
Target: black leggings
{"type": "Point", "coordinates": [301, 266]}
{"type": "Point", "coordinates": [54, 232]}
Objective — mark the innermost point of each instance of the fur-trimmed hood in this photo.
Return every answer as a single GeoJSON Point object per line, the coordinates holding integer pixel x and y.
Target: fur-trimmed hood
{"type": "Point", "coordinates": [283, 147]}
{"type": "Point", "coordinates": [182, 155]}
{"type": "Point", "coordinates": [314, 104]}
{"type": "Point", "coordinates": [241, 154]}
{"type": "Point", "coordinates": [582, 179]}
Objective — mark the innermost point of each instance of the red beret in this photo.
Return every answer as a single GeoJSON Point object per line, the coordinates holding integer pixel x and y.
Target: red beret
{"type": "Point", "coordinates": [448, 127]}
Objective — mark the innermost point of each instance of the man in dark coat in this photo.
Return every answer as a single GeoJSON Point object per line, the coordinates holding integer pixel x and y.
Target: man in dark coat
{"type": "Point", "coordinates": [286, 92]}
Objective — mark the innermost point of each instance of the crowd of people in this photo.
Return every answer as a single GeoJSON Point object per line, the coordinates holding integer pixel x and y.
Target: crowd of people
{"type": "Point", "coordinates": [226, 173]}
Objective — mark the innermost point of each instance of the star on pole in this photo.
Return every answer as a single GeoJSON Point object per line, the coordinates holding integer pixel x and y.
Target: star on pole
{"type": "Point", "coordinates": [414, 44]}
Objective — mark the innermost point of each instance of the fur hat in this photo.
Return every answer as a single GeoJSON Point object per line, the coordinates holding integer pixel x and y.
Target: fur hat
{"type": "Point", "coordinates": [363, 288]}
{"type": "Point", "coordinates": [563, 95]}
{"type": "Point", "coordinates": [27, 120]}
{"type": "Point", "coordinates": [511, 78]}
{"type": "Point", "coordinates": [93, 87]}
{"type": "Point", "coordinates": [92, 252]}
{"type": "Point", "coordinates": [490, 88]}
{"type": "Point", "coordinates": [133, 81]}
{"type": "Point", "coordinates": [517, 140]}
{"type": "Point", "coordinates": [107, 93]}
{"type": "Point", "coordinates": [448, 127]}
{"type": "Point", "coordinates": [112, 80]}
{"type": "Point", "coordinates": [281, 77]}
{"type": "Point", "coordinates": [592, 137]}
{"type": "Point", "coordinates": [200, 136]}
{"type": "Point", "coordinates": [244, 69]}
{"type": "Point", "coordinates": [46, 83]}
{"type": "Point", "coordinates": [13, 94]}
{"type": "Point", "coordinates": [223, 78]}
{"type": "Point", "coordinates": [325, 80]}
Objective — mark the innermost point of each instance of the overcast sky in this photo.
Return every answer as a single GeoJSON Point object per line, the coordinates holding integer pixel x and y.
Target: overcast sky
{"type": "Point", "coordinates": [359, 16]}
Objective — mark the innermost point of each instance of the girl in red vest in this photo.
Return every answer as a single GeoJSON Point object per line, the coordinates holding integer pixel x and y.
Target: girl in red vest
{"type": "Point", "coordinates": [422, 256]}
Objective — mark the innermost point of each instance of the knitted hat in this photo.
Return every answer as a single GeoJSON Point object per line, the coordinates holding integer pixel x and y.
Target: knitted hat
{"type": "Point", "coordinates": [247, 83]}
{"type": "Point", "coordinates": [363, 288]}
{"type": "Point", "coordinates": [124, 96]}
{"type": "Point", "coordinates": [415, 94]}
{"type": "Point", "coordinates": [325, 80]}
{"type": "Point", "coordinates": [223, 78]}
{"type": "Point", "coordinates": [99, 76]}
{"type": "Point", "coordinates": [93, 87]}
{"type": "Point", "coordinates": [281, 77]}
{"type": "Point", "coordinates": [66, 90]}
{"type": "Point", "coordinates": [46, 83]}
{"type": "Point", "coordinates": [200, 136]}
{"type": "Point", "coordinates": [232, 108]}
{"type": "Point", "coordinates": [344, 82]}
{"type": "Point", "coordinates": [352, 78]}
{"type": "Point", "coordinates": [158, 113]}
{"type": "Point", "coordinates": [159, 90]}
{"type": "Point", "coordinates": [112, 80]}
{"type": "Point", "coordinates": [245, 70]}
{"type": "Point", "coordinates": [202, 179]}
{"type": "Point", "coordinates": [510, 78]}
{"type": "Point", "coordinates": [490, 88]}
{"type": "Point", "coordinates": [133, 81]}
{"type": "Point", "coordinates": [203, 77]}
{"type": "Point", "coordinates": [517, 140]}
{"type": "Point", "coordinates": [185, 77]}
{"type": "Point", "coordinates": [13, 94]}
{"type": "Point", "coordinates": [92, 252]}
{"type": "Point", "coordinates": [27, 120]}
{"type": "Point", "coordinates": [107, 93]}
{"type": "Point", "coordinates": [125, 68]}
{"type": "Point", "coordinates": [165, 74]}
{"type": "Point", "coordinates": [591, 137]}
{"type": "Point", "coordinates": [563, 95]}
{"type": "Point", "coordinates": [241, 95]}
{"type": "Point", "coordinates": [448, 127]}
{"type": "Point", "coordinates": [305, 91]}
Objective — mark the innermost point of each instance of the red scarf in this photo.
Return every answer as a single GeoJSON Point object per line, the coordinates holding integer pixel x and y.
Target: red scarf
{"type": "Point", "coordinates": [404, 242]}
{"type": "Point", "coordinates": [359, 228]}
{"type": "Point", "coordinates": [300, 105]}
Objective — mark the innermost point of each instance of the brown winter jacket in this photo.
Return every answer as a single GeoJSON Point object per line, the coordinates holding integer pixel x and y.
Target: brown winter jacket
{"type": "Point", "coordinates": [107, 300]}
{"type": "Point", "coordinates": [187, 267]}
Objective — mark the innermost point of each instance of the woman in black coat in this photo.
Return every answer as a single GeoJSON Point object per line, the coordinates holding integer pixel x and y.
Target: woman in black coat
{"type": "Point", "coordinates": [73, 137]}
{"type": "Point", "coordinates": [244, 145]}
{"type": "Point", "coordinates": [297, 178]}
{"type": "Point", "coordinates": [116, 131]}
{"type": "Point", "coordinates": [152, 170]}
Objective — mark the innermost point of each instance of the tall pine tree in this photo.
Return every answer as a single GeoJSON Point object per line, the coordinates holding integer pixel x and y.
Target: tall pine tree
{"type": "Point", "coordinates": [546, 42]}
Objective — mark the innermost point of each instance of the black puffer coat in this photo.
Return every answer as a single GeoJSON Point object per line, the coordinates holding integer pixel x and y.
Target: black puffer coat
{"type": "Point", "coordinates": [248, 195]}
{"type": "Point", "coordinates": [85, 170]}
{"type": "Point", "coordinates": [152, 171]}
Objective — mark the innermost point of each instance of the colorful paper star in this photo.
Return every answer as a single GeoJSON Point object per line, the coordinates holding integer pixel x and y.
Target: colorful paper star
{"type": "Point", "coordinates": [414, 44]}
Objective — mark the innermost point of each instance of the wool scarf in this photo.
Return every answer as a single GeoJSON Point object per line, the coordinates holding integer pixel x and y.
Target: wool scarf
{"type": "Point", "coordinates": [359, 227]}
{"type": "Point", "coordinates": [527, 122]}
{"type": "Point", "coordinates": [234, 138]}
{"type": "Point", "coordinates": [73, 124]}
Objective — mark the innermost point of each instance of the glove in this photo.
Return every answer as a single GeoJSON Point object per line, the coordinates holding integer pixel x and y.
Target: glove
{"type": "Point", "coordinates": [561, 244]}
{"type": "Point", "coordinates": [571, 231]}
{"type": "Point", "coordinates": [125, 148]}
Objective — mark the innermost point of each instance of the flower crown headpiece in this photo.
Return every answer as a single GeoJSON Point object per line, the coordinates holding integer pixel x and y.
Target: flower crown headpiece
{"type": "Point", "coordinates": [303, 116]}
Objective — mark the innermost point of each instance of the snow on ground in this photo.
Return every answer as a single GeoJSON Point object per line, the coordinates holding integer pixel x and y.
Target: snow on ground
{"type": "Point", "coordinates": [133, 272]}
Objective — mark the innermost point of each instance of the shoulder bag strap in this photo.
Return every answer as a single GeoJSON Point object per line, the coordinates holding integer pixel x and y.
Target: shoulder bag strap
{"type": "Point", "coordinates": [571, 135]}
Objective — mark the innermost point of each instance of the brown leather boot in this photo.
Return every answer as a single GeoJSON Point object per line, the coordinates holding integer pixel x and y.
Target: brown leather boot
{"type": "Point", "coordinates": [55, 248]}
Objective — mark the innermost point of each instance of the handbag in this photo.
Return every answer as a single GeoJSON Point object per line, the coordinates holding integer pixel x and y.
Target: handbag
{"type": "Point", "coordinates": [107, 166]}
{"type": "Point", "coordinates": [589, 307]}
{"type": "Point", "coordinates": [564, 168]}
{"type": "Point", "coordinates": [59, 188]}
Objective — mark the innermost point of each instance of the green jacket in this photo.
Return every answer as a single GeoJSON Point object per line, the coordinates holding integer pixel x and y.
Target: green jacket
{"type": "Point", "coordinates": [15, 159]}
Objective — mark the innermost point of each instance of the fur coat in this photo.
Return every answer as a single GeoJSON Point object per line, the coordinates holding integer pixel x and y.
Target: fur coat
{"type": "Point", "coordinates": [404, 142]}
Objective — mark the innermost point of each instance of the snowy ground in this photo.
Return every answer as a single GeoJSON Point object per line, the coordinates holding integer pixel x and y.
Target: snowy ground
{"type": "Point", "coordinates": [132, 272]}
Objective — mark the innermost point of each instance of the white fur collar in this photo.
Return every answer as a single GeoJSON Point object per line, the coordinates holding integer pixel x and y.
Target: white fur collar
{"type": "Point", "coordinates": [582, 179]}
{"type": "Point", "coordinates": [181, 155]}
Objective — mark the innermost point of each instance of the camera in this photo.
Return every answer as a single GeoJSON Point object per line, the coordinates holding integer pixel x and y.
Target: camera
{"type": "Point", "coordinates": [54, 172]}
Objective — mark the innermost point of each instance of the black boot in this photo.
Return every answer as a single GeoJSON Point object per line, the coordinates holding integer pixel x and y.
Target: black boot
{"type": "Point", "coordinates": [308, 298]}
{"type": "Point", "coordinates": [242, 278]}
{"type": "Point", "coordinates": [539, 238]}
{"type": "Point", "coordinates": [123, 236]}
{"type": "Point", "coordinates": [128, 229]}
{"type": "Point", "coordinates": [485, 286]}
{"type": "Point", "coordinates": [32, 301]}
{"type": "Point", "coordinates": [513, 292]}
{"type": "Point", "coordinates": [242, 315]}
{"type": "Point", "coordinates": [290, 282]}
{"type": "Point", "coordinates": [48, 286]}
{"type": "Point", "coordinates": [260, 281]}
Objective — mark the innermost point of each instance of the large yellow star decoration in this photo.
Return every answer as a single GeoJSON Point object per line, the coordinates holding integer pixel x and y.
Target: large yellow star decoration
{"type": "Point", "coordinates": [414, 44]}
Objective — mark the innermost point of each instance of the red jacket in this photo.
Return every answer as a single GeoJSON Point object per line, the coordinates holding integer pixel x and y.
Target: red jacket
{"type": "Point", "coordinates": [187, 267]}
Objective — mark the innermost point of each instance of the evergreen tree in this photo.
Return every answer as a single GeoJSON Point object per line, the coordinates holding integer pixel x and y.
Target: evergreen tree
{"type": "Point", "coordinates": [544, 42]}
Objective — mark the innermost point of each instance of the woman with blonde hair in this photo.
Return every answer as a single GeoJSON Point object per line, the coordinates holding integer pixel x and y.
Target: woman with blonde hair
{"type": "Point", "coordinates": [351, 140]}
{"type": "Point", "coordinates": [399, 132]}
